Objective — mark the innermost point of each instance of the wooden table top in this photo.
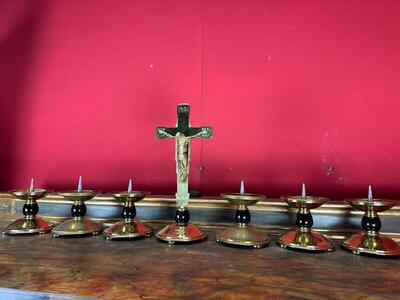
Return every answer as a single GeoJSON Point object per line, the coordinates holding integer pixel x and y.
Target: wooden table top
{"type": "Point", "coordinates": [149, 269]}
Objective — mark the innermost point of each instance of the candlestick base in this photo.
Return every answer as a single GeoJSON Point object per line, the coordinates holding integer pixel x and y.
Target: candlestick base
{"type": "Point", "coordinates": [375, 245]}
{"type": "Point", "coordinates": [243, 235]}
{"type": "Point", "coordinates": [77, 227]}
{"type": "Point", "coordinates": [132, 230]}
{"type": "Point", "coordinates": [25, 226]}
{"type": "Point", "coordinates": [306, 240]}
{"type": "Point", "coordinates": [180, 234]}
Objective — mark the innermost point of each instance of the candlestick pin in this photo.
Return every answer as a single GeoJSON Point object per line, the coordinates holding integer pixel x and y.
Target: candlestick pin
{"type": "Point", "coordinates": [371, 241]}
{"type": "Point", "coordinates": [31, 223]}
{"type": "Point", "coordinates": [304, 238]}
{"type": "Point", "coordinates": [78, 225]}
{"type": "Point", "coordinates": [128, 228]}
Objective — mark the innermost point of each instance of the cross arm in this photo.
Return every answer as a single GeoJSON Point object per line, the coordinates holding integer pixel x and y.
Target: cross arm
{"type": "Point", "coordinates": [204, 132]}
{"type": "Point", "coordinates": [165, 132]}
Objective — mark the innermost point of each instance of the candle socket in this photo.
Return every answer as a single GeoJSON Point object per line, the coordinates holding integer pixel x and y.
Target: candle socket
{"type": "Point", "coordinates": [371, 241]}
{"type": "Point", "coordinates": [128, 227]}
{"type": "Point", "coordinates": [304, 238]}
{"type": "Point", "coordinates": [78, 225]}
{"type": "Point", "coordinates": [242, 233]}
{"type": "Point", "coordinates": [31, 223]}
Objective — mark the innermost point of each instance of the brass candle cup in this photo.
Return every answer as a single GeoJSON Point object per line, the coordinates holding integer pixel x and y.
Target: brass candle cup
{"type": "Point", "coordinates": [371, 241]}
{"type": "Point", "coordinates": [304, 238]}
{"type": "Point", "coordinates": [78, 225]}
{"type": "Point", "coordinates": [128, 228]}
{"type": "Point", "coordinates": [31, 223]}
{"type": "Point", "coordinates": [242, 233]}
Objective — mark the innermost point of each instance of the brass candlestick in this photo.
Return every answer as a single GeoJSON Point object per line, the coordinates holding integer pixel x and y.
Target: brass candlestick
{"type": "Point", "coordinates": [30, 224]}
{"type": "Point", "coordinates": [128, 228]}
{"type": "Point", "coordinates": [304, 238]}
{"type": "Point", "coordinates": [371, 241]}
{"type": "Point", "coordinates": [243, 234]}
{"type": "Point", "coordinates": [78, 225]}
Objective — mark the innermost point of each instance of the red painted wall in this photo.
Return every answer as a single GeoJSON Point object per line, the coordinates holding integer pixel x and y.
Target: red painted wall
{"type": "Point", "coordinates": [295, 91]}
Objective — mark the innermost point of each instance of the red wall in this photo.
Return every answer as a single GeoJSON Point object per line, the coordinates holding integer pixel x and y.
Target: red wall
{"type": "Point", "coordinates": [295, 91]}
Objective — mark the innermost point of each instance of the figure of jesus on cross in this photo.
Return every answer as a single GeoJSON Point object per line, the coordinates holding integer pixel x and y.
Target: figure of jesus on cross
{"type": "Point", "coordinates": [182, 150]}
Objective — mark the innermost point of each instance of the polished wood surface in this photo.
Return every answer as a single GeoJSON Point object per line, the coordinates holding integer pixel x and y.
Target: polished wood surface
{"type": "Point", "coordinates": [149, 269]}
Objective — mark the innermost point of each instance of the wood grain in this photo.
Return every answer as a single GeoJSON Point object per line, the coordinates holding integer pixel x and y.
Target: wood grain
{"type": "Point", "coordinates": [149, 269]}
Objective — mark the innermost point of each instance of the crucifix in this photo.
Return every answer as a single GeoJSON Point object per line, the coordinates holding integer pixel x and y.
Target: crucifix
{"type": "Point", "coordinates": [182, 133]}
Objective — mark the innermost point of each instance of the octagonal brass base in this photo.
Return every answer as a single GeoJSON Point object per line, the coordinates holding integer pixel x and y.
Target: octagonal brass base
{"type": "Point", "coordinates": [24, 226]}
{"type": "Point", "coordinates": [372, 244]}
{"type": "Point", "coordinates": [243, 235]}
{"type": "Point", "coordinates": [180, 234]}
{"type": "Point", "coordinates": [306, 240]}
{"type": "Point", "coordinates": [132, 230]}
{"type": "Point", "coordinates": [77, 227]}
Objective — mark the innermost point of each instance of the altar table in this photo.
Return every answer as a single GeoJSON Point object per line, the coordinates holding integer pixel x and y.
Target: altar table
{"type": "Point", "coordinates": [150, 269]}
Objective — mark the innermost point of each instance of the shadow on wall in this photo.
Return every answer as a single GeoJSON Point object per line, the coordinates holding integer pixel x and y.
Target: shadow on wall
{"type": "Point", "coordinates": [17, 46]}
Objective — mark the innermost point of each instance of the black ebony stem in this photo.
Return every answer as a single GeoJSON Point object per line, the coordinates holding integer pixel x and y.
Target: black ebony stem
{"type": "Point", "coordinates": [182, 217]}
{"type": "Point", "coordinates": [78, 209]}
{"type": "Point", "coordinates": [371, 223]}
{"type": "Point", "coordinates": [30, 209]}
{"type": "Point", "coordinates": [304, 219]}
{"type": "Point", "coordinates": [129, 211]}
{"type": "Point", "coordinates": [242, 216]}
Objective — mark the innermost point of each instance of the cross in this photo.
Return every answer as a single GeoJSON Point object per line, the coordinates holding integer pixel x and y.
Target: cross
{"type": "Point", "coordinates": [182, 134]}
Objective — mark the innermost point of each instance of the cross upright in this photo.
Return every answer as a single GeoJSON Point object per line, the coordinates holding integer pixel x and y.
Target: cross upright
{"type": "Point", "coordinates": [182, 134]}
